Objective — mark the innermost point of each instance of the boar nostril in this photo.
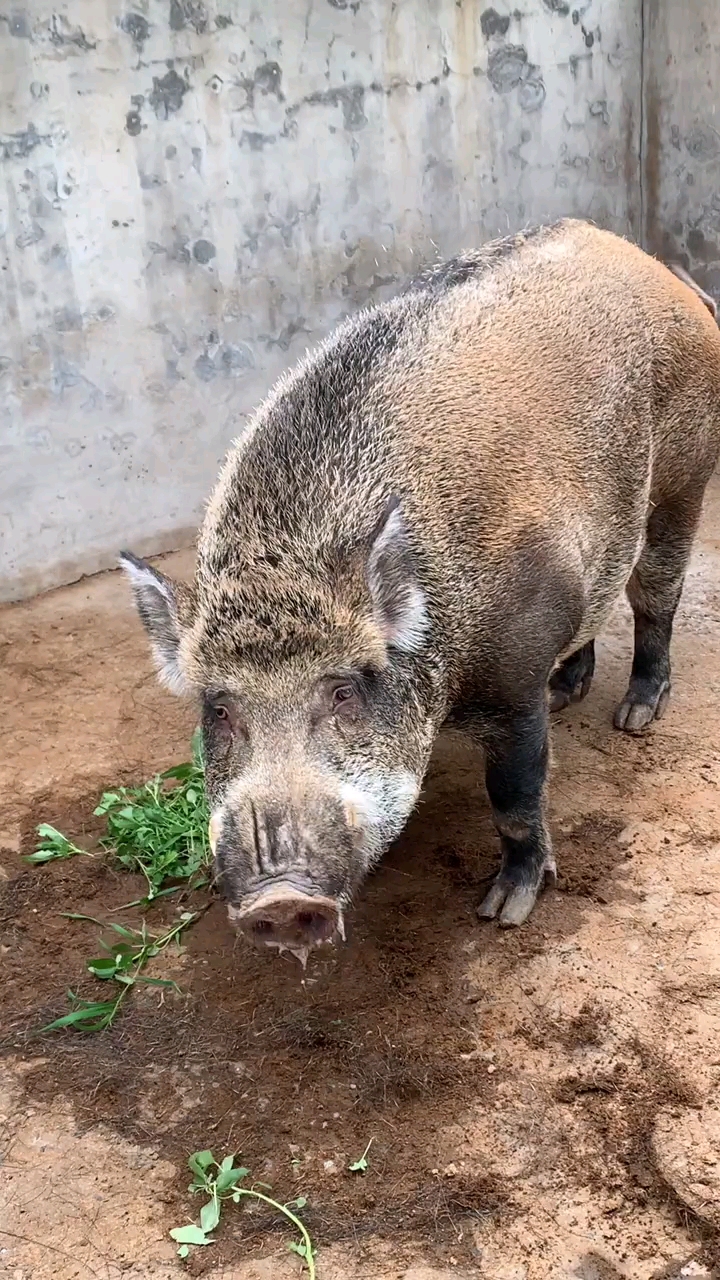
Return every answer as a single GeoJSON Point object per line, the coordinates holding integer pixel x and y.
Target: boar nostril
{"type": "Point", "coordinates": [315, 924]}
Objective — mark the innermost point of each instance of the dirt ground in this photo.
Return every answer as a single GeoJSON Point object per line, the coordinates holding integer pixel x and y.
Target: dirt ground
{"type": "Point", "coordinates": [543, 1103]}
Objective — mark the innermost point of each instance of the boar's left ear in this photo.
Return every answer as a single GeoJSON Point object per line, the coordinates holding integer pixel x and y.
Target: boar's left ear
{"type": "Point", "coordinates": [399, 600]}
{"type": "Point", "coordinates": [157, 600]}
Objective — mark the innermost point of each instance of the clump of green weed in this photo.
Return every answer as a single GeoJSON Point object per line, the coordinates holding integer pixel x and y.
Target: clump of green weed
{"type": "Point", "coordinates": [221, 1181]}
{"type": "Point", "coordinates": [161, 828]}
{"type": "Point", "coordinates": [126, 957]}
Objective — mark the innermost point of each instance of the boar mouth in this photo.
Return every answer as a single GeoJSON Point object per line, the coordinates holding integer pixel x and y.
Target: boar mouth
{"type": "Point", "coordinates": [283, 917]}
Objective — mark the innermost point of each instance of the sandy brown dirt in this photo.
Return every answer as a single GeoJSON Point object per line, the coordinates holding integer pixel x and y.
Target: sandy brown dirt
{"type": "Point", "coordinates": [543, 1104]}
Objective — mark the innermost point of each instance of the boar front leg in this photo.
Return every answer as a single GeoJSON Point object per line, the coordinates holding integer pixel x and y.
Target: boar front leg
{"type": "Point", "coordinates": [516, 746]}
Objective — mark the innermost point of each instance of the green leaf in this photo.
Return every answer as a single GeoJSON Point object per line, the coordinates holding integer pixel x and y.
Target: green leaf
{"type": "Point", "coordinates": [103, 968]}
{"type": "Point", "coordinates": [106, 802]}
{"type": "Point", "coordinates": [88, 1013]}
{"type": "Point", "coordinates": [183, 1251]}
{"type": "Point", "coordinates": [125, 933]}
{"type": "Point", "coordinates": [228, 1177]}
{"type": "Point", "coordinates": [198, 749]}
{"type": "Point", "coordinates": [300, 1202]}
{"type": "Point", "coordinates": [189, 1235]}
{"type": "Point", "coordinates": [200, 1161]}
{"type": "Point", "coordinates": [179, 772]}
{"type": "Point", "coordinates": [210, 1215]}
{"type": "Point", "coordinates": [297, 1247]}
{"type": "Point", "coordinates": [41, 855]}
{"type": "Point", "coordinates": [46, 832]}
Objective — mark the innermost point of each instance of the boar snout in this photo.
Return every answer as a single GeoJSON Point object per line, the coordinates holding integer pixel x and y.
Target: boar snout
{"type": "Point", "coordinates": [283, 917]}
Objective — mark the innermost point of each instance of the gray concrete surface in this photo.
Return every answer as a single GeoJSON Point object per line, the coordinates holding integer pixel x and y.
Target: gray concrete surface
{"type": "Point", "coordinates": [193, 192]}
{"type": "Point", "coordinates": [681, 170]}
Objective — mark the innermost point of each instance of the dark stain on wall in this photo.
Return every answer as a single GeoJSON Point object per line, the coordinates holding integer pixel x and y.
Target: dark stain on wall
{"type": "Point", "coordinates": [599, 110]}
{"type": "Point", "coordinates": [350, 97]}
{"type": "Point", "coordinates": [33, 235]}
{"type": "Point", "coordinates": [557, 6]}
{"type": "Point", "coordinates": [702, 143]}
{"type": "Point", "coordinates": [188, 13]}
{"type": "Point", "coordinates": [256, 141]}
{"type": "Point", "coordinates": [493, 24]}
{"type": "Point", "coordinates": [63, 35]}
{"type": "Point", "coordinates": [137, 27]}
{"type": "Point", "coordinates": [15, 146]}
{"type": "Point", "coordinates": [265, 79]}
{"type": "Point", "coordinates": [508, 68]}
{"type": "Point", "coordinates": [204, 251]}
{"type": "Point", "coordinates": [133, 120]}
{"type": "Point", "coordinates": [701, 247]}
{"type": "Point", "coordinates": [226, 359]}
{"type": "Point", "coordinates": [17, 24]}
{"type": "Point", "coordinates": [167, 94]}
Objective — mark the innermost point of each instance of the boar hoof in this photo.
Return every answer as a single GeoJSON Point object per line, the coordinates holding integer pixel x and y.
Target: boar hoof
{"type": "Point", "coordinates": [561, 698]}
{"type": "Point", "coordinates": [516, 901]}
{"type": "Point", "coordinates": [571, 682]}
{"type": "Point", "coordinates": [640, 707]}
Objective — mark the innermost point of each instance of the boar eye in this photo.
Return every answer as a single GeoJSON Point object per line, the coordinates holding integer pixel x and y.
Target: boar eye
{"type": "Point", "coordinates": [343, 693]}
{"type": "Point", "coordinates": [221, 713]}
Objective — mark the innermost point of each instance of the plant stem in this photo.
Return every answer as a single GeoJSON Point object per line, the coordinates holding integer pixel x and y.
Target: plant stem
{"type": "Point", "coordinates": [275, 1204]}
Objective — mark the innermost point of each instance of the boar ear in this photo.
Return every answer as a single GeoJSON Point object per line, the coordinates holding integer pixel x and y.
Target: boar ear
{"type": "Point", "coordinates": [157, 603]}
{"type": "Point", "coordinates": [399, 600]}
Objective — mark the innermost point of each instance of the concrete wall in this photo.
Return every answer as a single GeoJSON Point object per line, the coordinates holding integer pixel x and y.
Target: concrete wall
{"type": "Point", "coordinates": [681, 171]}
{"type": "Point", "coordinates": [193, 191]}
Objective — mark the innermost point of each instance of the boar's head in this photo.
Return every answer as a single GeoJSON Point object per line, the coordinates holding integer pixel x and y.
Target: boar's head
{"type": "Point", "coordinates": [316, 688]}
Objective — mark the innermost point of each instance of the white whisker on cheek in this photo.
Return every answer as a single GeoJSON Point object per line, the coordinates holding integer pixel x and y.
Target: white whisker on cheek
{"type": "Point", "coordinates": [377, 806]}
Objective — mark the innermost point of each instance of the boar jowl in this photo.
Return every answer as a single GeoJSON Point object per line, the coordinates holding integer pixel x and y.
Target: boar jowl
{"type": "Point", "coordinates": [429, 520]}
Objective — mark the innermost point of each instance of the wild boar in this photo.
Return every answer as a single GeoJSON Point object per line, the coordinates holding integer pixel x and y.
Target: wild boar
{"type": "Point", "coordinates": [428, 521]}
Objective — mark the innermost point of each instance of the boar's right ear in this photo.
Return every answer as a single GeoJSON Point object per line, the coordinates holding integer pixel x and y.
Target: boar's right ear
{"type": "Point", "coordinates": [157, 603]}
{"type": "Point", "coordinates": [398, 598]}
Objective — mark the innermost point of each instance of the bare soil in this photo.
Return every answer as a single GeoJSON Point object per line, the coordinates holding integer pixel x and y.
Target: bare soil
{"type": "Point", "coordinates": [543, 1103]}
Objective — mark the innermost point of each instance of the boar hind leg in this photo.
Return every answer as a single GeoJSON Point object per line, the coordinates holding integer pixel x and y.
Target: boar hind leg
{"type": "Point", "coordinates": [571, 682]}
{"type": "Point", "coordinates": [654, 592]}
{"type": "Point", "coordinates": [517, 760]}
